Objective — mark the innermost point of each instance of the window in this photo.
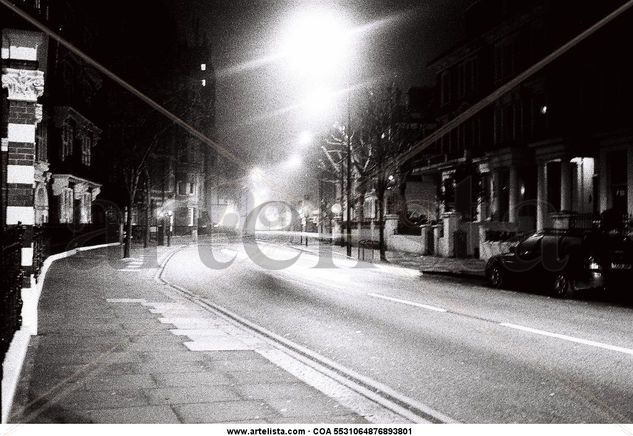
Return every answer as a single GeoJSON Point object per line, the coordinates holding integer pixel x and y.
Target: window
{"type": "Point", "coordinates": [86, 208]}
{"type": "Point", "coordinates": [181, 188]}
{"type": "Point", "coordinates": [86, 150]}
{"type": "Point", "coordinates": [203, 67]}
{"type": "Point", "coordinates": [445, 87]}
{"type": "Point", "coordinates": [191, 153]}
{"type": "Point", "coordinates": [204, 82]}
{"type": "Point", "coordinates": [66, 206]}
{"type": "Point", "coordinates": [469, 76]}
{"type": "Point", "coordinates": [508, 122]}
{"type": "Point", "coordinates": [68, 135]}
{"type": "Point", "coordinates": [461, 81]}
{"type": "Point", "coordinates": [191, 216]}
{"type": "Point", "coordinates": [41, 141]}
{"type": "Point", "coordinates": [505, 60]}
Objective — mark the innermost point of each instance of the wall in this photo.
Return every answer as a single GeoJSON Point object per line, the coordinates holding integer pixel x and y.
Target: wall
{"type": "Point", "coordinates": [406, 243]}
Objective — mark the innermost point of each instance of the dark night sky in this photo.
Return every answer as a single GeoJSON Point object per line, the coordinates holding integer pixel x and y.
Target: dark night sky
{"type": "Point", "coordinates": [249, 101]}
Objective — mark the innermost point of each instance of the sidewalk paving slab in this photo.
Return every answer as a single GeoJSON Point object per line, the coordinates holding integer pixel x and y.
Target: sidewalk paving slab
{"type": "Point", "coordinates": [108, 351]}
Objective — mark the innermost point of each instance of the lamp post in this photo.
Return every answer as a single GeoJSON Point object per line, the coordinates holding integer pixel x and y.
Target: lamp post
{"type": "Point", "coordinates": [168, 227]}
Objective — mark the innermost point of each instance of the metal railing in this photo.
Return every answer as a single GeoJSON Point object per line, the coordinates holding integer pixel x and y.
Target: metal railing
{"type": "Point", "coordinates": [40, 250]}
{"type": "Point", "coordinates": [584, 221]}
{"type": "Point", "coordinates": [10, 285]}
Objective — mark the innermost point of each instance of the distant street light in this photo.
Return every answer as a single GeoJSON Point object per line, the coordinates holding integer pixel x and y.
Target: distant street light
{"type": "Point", "coordinates": [305, 138]}
{"type": "Point", "coordinates": [257, 174]}
{"type": "Point", "coordinates": [294, 162]}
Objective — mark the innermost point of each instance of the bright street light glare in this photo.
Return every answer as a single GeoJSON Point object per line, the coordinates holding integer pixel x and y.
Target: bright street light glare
{"type": "Point", "coordinates": [320, 102]}
{"type": "Point", "coordinates": [294, 161]}
{"type": "Point", "coordinates": [305, 138]}
{"type": "Point", "coordinates": [256, 174]}
{"type": "Point", "coordinates": [317, 42]}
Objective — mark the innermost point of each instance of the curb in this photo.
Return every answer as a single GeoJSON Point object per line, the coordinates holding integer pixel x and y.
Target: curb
{"type": "Point", "coordinates": [14, 359]}
{"type": "Point", "coordinates": [458, 274]}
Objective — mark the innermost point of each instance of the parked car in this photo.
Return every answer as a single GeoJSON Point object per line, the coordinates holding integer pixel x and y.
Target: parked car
{"type": "Point", "coordinates": [566, 262]}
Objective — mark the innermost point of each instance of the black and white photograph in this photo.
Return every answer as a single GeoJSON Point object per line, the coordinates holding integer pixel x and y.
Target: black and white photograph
{"type": "Point", "coordinates": [316, 217]}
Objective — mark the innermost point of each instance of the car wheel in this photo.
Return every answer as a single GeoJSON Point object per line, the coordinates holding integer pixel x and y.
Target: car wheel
{"type": "Point", "coordinates": [563, 286]}
{"type": "Point", "coordinates": [497, 276]}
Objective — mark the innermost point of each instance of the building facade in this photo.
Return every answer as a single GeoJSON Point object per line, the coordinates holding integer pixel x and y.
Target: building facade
{"type": "Point", "coordinates": [554, 151]}
{"type": "Point", "coordinates": [192, 187]}
{"type": "Point", "coordinates": [68, 133]}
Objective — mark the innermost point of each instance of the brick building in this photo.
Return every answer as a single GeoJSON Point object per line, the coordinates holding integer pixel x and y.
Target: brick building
{"type": "Point", "coordinates": [68, 134]}
{"type": "Point", "coordinates": [23, 83]}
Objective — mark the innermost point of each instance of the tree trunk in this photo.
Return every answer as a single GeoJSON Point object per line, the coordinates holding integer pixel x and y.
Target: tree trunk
{"type": "Point", "coordinates": [148, 210]}
{"type": "Point", "coordinates": [128, 234]}
{"type": "Point", "coordinates": [341, 202]}
{"type": "Point", "coordinates": [128, 229]}
{"type": "Point", "coordinates": [403, 207]}
{"type": "Point", "coordinates": [381, 223]}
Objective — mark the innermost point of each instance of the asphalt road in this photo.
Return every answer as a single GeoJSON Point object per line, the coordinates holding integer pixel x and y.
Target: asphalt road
{"type": "Point", "coordinates": [475, 354]}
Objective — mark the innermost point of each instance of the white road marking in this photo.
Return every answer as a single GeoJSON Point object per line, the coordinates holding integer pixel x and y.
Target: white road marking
{"type": "Point", "coordinates": [131, 270]}
{"type": "Point", "coordinates": [125, 300]}
{"type": "Point", "coordinates": [569, 338]}
{"type": "Point", "coordinates": [408, 303]}
{"type": "Point", "coordinates": [374, 401]}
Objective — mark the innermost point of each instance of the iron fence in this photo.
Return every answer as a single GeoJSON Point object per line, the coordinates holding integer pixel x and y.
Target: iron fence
{"type": "Point", "coordinates": [10, 285]}
{"type": "Point", "coordinates": [40, 250]}
{"type": "Point", "coordinates": [584, 221]}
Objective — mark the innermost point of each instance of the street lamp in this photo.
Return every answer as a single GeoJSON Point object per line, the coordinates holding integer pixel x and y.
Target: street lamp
{"type": "Point", "coordinates": [318, 43]}
{"type": "Point", "coordinates": [294, 162]}
{"type": "Point", "coordinates": [257, 174]}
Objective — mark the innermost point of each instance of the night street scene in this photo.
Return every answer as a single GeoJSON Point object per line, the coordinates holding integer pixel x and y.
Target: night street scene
{"type": "Point", "coordinates": [317, 217]}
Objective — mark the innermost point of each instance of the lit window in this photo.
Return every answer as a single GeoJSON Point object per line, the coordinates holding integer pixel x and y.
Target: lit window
{"type": "Point", "coordinates": [204, 82]}
{"type": "Point", "coordinates": [86, 150]}
{"type": "Point", "coordinates": [191, 216]}
{"type": "Point", "coordinates": [66, 206]}
{"type": "Point", "coordinates": [203, 67]}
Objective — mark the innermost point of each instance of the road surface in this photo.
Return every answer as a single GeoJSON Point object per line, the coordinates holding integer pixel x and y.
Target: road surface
{"type": "Point", "coordinates": [475, 354]}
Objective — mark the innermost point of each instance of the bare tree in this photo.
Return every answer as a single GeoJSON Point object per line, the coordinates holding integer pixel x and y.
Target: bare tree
{"type": "Point", "coordinates": [379, 145]}
{"type": "Point", "coordinates": [333, 163]}
{"type": "Point", "coordinates": [133, 149]}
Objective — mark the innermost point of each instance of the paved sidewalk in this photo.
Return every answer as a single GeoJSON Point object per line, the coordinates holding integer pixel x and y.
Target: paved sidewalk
{"type": "Point", "coordinates": [439, 265]}
{"type": "Point", "coordinates": [115, 346]}
{"type": "Point", "coordinates": [425, 264]}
